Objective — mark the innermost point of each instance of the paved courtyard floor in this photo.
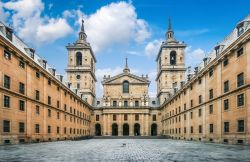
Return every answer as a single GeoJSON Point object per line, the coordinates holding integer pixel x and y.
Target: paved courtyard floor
{"type": "Point", "coordinates": [125, 150]}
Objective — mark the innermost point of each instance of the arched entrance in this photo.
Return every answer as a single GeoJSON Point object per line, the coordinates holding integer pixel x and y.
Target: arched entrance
{"type": "Point", "coordinates": [114, 129]}
{"type": "Point", "coordinates": [137, 129]}
{"type": "Point", "coordinates": [98, 130]}
{"type": "Point", "coordinates": [154, 129]}
{"type": "Point", "coordinates": [125, 129]}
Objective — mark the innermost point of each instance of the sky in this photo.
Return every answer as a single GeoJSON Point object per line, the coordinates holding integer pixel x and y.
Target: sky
{"type": "Point", "coordinates": [119, 29]}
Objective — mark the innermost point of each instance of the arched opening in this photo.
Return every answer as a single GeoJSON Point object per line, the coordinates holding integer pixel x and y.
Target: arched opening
{"type": "Point", "coordinates": [98, 131]}
{"type": "Point", "coordinates": [114, 129]}
{"type": "Point", "coordinates": [154, 129]}
{"type": "Point", "coordinates": [125, 129]}
{"type": "Point", "coordinates": [78, 59]}
{"type": "Point", "coordinates": [172, 57]}
{"type": "Point", "coordinates": [125, 87]}
{"type": "Point", "coordinates": [137, 129]}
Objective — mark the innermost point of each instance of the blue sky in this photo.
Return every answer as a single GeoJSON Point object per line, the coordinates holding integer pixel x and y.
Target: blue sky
{"type": "Point", "coordinates": [117, 29]}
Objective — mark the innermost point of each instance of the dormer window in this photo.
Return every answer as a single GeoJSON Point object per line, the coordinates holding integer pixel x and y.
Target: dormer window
{"type": "Point", "coordinates": [44, 64]}
{"type": "Point", "coordinates": [9, 33]}
{"type": "Point", "coordinates": [7, 55]}
{"type": "Point", "coordinates": [172, 57]}
{"type": "Point", "coordinates": [240, 28]}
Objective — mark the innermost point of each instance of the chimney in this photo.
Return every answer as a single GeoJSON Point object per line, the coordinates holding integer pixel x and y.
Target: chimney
{"type": "Point", "coordinates": [196, 69]}
{"type": "Point", "coordinates": [205, 61]}
{"type": "Point", "coordinates": [69, 85]}
{"type": "Point", "coordinates": [53, 71]}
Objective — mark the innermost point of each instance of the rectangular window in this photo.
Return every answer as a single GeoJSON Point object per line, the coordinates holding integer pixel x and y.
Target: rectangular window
{"type": "Point", "coordinates": [154, 117]}
{"type": "Point", "coordinates": [49, 81]}
{"type": "Point", "coordinates": [49, 113]}
{"type": "Point", "coordinates": [211, 94]}
{"type": "Point", "coordinates": [200, 128]}
{"type": "Point", "coordinates": [191, 115]}
{"type": "Point", "coordinates": [200, 99]}
{"type": "Point", "coordinates": [226, 86]}
{"type": "Point", "coordinates": [65, 130]}
{"type": "Point", "coordinates": [211, 72]}
{"type": "Point", "coordinates": [200, 113]}
{"type": "Point", "coordinates": [240, 52]}
{"type": "Point", "coordinates": [21, 127]}
{"type": "Point", "coordinates": [114, 103]}
{"type": "Point", "coordinates": [21, 63]}
{"type": "Point", "coordinates": [114, 117]}
{"type": "Point", "coordinates": [37, 110]}
{"type": "Point", "coordinates": [240, 80]}
{"type": "Point", "coordinates": [58, 115]}
{"type": "Point", "coordinates": [125, 103]}
{"type": "Point", "coordinates": [49, 100]}
{"type": "Point", "coordinates": [78, 85]}
{"type": "Point", "coordinates": [125, 117]}
{"type": "Point", "coordinates": [226, 104]}
{"type": "Point", "coordinates": [191, 129]}
{"type": "Point", "coordinates": [200, 81]}
{"type": "Point", "coordinates": [37, 128]}
{"type": "Point", "coordinates": [185, 116]}
{"type": "Point", "coordinates": [225, 62]}
{"type": "Point", "coordinates": [211, 128]}
{"type": "Point", "coordinates": [57, 130]}
{"type": "Point", "coordinates": [6, 101]}
{"type": "Point", "coordinates": [37, 95]}
{"type": "Point", "coordinates": [240, 100]}
{"type": "Point", "coordinates": [7, 55]}
{"type": "Point", "coordinates": [49, 129]}
{"type": "Point", "coordinates": [136, 103]}
{"type": "Point", "coordinates": [6, 126]}
{"type": "Point", "coordinates": [37, 74]}
{"type": "Point", "coordinates": [58, 104]}
{"type": "Point", "coordinates": [97, 117]}
{"type": "Point", "coordinates": [21, 105]}
{"type": "Point", "coordinates": [226, 127]}
{"type": "Point", "coordinates": [191, 103]}
{"type": "Point", "coordinates": [185, 106]}
{"type": "Point", "coordinates": [136, 117]}
{"type": "Point", "coordinates": [21, 88]}
{"type": "Point", "coordinates": [211, 109]}
{"type": "Point", "coordinates": [6, 83]}
{"type": "Point", "coordinates": [241, 126]}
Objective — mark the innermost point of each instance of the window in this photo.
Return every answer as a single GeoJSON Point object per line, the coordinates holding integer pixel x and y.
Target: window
{"type": "Point", "coordinates": [191, 103]}
{"type": "Point", "coordinates": [240, 29]}
{"type": "Point", "coordinates": [37, 74]}
{"type": "Point", "coordinates": [240, 52]}
{"type": "Point", "coordinates": [211, 72]}
{"type": "Point", "coordinates": [58, 115]}
{"type": "Point", "coordinates": [125, 117]}
{"type": "Point", "coordinates": [49, 129]}
{"type": "Point", "coordinates": [7, 55]}
{"type": "Point", "coordinates": [37, 110]}
{"type": "Point", "coordinates": [226, 86]}
{"type": "Point", "coordinates": [21, 88]}
{"type": "Point", "coordinates": [240, 100]}
{"type": "Point", "coordinates": [21, 127]}
{"type": "Point", "coordinates": [200, 81]}
{"type": "Point", "coordinates": [185, 117]}
{"type": "Point", "coordinates": [200, 112]}
{"type": "Point", "coordinates": [241, 126]}
{"type": "Point", "coordinates": [6, 101]}
{"type": "Point", "coordinates": [37, 128]}
{"type": "Point", "coordinates": [172, 57]}
{"type": "Point", "coordinates": [114, 117]}
{"type": "Point", "coordinates": [21, 105]}
{"type": "Point", "coordinates": [211, 109]}
{"type": "Point", "coordinates": [49, 100]}
{"type": "Point", "coordinates": [211, 94]}
{"type": "Point", "coordinates": [49, 113]}
{"type": "Point", "coordinates": [57, 130]}
{"type": "Point", "coordinates": [191, 129]}
{"type": "Point", "coordinates": [37, 95]}
{"type": "Point", "coordinates": [6, 126]}
{"type": "Point", "coordinates": [226, 104]}
{"type": "Point", "coordinates": [78, 59]}
{"type": "Point", "coordinates": [136, 117]}
{"type": "Point", "coordinates": [6, 82]}
{"type": "Point", "coordinates": [21, 63]}
{"type": "Point", "coordinates": [125, 87]}
{"type": "Point", "coordinates": [185, 106]}
{"type": "Point", "coordinates": [154, 117]}
{"type": "Point", "coordinates": [240, 79]}
{"type": "Point", "coordinates": [200, 99]}
{"type": "Point", "coordinates": [114, 103]}
{"type": "Point", "coordinates": [191, 115]}
{"type": "Point", "coordinates": [225, 62]}
{"type": "Point", "coordinates": [78, 76]}
{"type": "Point", "coordinates": [97, 117]}
{"type": "Point", "coordinates": [58, 104]}
{"type": "Point", "coordinates": [211, 128]}
{"type": "Point", "coordinates": [136, 103]}
{"type": "Point", "coordinates": [226, 127]}
{"type": "Point", "coordinates": [125, 103]}
{"type": "Point", "coordinates": [49, 81]}
{"type": "Point", "coordinates": [200, 128]}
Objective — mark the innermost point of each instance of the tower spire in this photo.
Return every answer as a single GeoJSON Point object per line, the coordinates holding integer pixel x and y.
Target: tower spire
{"type": "Point", "coordinates": [82, 27]}
{"type": "Point", "coordinates": [82, 34]}
{"type": "Point", "coordinates": [126, 69]}
{"type": "Point", "coordinates": [169, 24]}
{"type": "Point", "coordinates": [170, 33]}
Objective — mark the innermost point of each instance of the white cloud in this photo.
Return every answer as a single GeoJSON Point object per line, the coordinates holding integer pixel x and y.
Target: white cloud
{"type": "Point", "coordinates": [31, 26]}
{"type": "Point", "coordinates": [3, 15]}
{"type": "Point", "coordinates": [116, 23]}
{"type": "Point", "coordinates": [194, 57]}
{"type": "Point", "coordinates": [152, 48]}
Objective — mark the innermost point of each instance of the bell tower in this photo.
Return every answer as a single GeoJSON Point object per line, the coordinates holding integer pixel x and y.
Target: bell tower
{"type": "Point", "coordinates": [81, 67]}
{"type": "Point", "coordinates": [170, 66]}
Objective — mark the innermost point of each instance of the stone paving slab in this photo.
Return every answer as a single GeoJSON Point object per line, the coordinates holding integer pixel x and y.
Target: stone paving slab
{"type": "Point", "coordinates": [131, 150]}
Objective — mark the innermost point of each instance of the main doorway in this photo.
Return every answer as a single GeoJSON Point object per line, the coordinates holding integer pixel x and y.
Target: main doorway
{"type": "Point", "coordinates": [125, 129]}
{"type": "Point", "coordinates": [98, 130]}
{"type": "Point", "coordinates": [114, 129]}
{"type": "Point", "coordinates": [137, 129]}
{"type": "Point", "coordinates": [154, 129]}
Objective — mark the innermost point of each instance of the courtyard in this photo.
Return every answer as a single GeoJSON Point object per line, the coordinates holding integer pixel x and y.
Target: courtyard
{"type": "Point", "coordinates": [125, 150]}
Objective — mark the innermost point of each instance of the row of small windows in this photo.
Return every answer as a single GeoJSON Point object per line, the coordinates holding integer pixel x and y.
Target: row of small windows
{"type": "Point", "coordinates": [240, 128]}
{"type": "Point", "coordinates": [125, 117]}
{"type": "Point", "coordinates": [125, 104]}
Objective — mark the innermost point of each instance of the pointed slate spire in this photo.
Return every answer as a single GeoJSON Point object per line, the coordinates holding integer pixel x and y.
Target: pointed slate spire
{"type": "Point", "coordinates": [169, 24]}
{"type": "Point", "coordinates": [126, 69]}
{"type": "Point", "coordinates": [82, 34]}
{"type": "Point", "coordinates": [170, 33]}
